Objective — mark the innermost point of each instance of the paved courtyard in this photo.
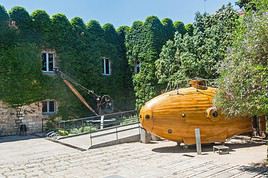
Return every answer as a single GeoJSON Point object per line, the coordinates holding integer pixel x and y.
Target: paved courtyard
{"type": "Point", "coordinates": [38, 157]}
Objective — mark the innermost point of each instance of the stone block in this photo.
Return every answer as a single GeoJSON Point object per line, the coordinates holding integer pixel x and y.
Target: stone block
{"type": "Point", "coordinates": [145, 137]}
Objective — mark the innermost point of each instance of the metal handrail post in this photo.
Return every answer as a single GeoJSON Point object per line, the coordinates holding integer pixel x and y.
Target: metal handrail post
{"type": "Point", "coordinates": [42, 125]}
{"type": "Point", "coordinates": [90, 135]}
{"type": "Point", "coordinates": [102, 122]}
{"type": "Point", "coordinates": [116, 134]}
{"type": "Point", "coordinates": [139, 128]}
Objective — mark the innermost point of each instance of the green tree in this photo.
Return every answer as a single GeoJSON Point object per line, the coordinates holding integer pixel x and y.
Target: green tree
{"type": "Point", "coordinates": [198, 54]}
{"type": "Point", "coordinates": [243, 82]}
{"type": "Point", "coordinates": [246, 4]}
{"type": "Point", "coordinates": [167, 65]}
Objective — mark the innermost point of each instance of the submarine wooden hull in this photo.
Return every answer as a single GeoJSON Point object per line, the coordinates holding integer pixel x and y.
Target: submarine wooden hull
{"type": "Point", "coordinates": [175, 115]}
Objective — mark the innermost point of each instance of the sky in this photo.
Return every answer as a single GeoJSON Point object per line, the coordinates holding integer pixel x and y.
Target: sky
{"type": "Point", "coordinates": [121, 12]}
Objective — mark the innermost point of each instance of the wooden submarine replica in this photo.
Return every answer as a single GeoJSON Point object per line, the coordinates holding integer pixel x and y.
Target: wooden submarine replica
{"type": "Point", "coordinates": [176, 114]}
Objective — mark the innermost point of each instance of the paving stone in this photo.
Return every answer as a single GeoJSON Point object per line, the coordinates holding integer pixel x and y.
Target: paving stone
{"type": "Point", "coordinates": [4, 170]}
{"type": "Point", "coordinates": [16, 176]}
{"type": "Point", "coordinates": [35, 173]}
{"type": "Point", "coordinates": [126, 160]}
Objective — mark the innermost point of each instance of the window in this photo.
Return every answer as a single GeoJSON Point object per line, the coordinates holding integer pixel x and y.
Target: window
{"type": "Point", "coordinates": [47, 62]}
{"type": "Point", "coordinates": [106, 66]}
{"type": "Point", "coordinates": [137, 67]}
{"type": "Point", "coordinates": [48, 107]}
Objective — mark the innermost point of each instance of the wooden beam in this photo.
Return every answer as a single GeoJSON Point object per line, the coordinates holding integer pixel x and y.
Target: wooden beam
{"type": "Point", "coordinates": [79, 96]}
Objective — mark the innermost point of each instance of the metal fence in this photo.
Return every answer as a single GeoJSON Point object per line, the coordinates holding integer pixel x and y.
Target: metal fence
{"type": "Point", "coordinates": [114, 132]}
{"type": "Point", "coordinates": [96, 123]}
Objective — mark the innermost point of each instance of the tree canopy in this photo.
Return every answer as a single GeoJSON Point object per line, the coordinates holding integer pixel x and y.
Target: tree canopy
{"type": "Point", "coordinates": [244, 73]}
{"type": "Point", "coordinates": [197, 53]}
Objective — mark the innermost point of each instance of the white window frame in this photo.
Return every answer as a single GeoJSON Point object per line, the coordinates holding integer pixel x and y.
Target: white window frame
{"type": "Point", "coordinates": [104, 66]}
{"type": "Point", "coordinates": [137, 65]}
{"type": "Point", "coordinates": [47, 61]}
{"type": "Point", "coordinates": [48, 110]}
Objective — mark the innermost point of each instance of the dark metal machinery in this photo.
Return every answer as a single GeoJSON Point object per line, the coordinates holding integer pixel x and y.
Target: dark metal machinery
{"type": "Point", "coordinates": [104, 103]}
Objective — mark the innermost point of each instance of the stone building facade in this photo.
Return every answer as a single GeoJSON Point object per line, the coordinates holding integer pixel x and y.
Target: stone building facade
{"type": "Point", "coordinates": [35, 115]}
{"type": "Point", "coordinates": [12, 118]}
{"type": "Point", "coordinates": [32, 116]}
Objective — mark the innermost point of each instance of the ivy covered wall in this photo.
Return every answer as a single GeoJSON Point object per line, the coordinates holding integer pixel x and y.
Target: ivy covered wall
{"type": "Point", "coordinates": [144, 43]}
{"type": "Point", "coordinates": [79, 49]}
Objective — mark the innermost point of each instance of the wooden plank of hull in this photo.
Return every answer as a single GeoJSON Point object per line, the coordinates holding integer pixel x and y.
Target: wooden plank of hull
{"type": "Point", "coordinates": [210, 131]}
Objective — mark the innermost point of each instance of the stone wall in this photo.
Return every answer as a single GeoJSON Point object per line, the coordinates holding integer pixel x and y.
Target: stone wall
{"type": "Point", "coordinates": [31, 116]}
{"type": "Point", "coordinates": [7, 120]}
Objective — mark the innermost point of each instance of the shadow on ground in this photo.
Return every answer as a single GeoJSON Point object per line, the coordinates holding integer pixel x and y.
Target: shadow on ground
{"type": "Point", "coordinates": [209, 147]}
{"type": "Point", "coordinates": [16, 138]}
{"type": "Point", "coordinates": [262, 169]}
{"type": "Point", "coordinates": [179, 149]}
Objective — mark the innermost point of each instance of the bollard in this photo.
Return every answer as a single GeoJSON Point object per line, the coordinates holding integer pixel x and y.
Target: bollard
{"type": "Point", "coordinates": [102, 122]}
{"type": "Point", "coordinates": [198, 141]}
{"type": "Point", "coordinates": [145, 137]}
